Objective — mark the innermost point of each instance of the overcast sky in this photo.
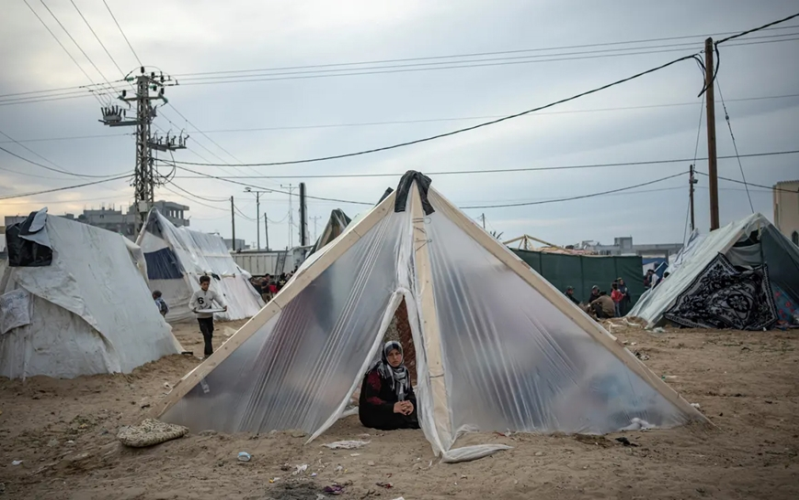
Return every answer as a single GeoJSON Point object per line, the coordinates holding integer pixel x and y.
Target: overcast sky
{"type": "Point", "coordinates": [193, 36]}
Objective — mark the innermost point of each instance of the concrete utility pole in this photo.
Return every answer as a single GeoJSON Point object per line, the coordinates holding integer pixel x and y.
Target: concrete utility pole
{"type": "Point", "coordinates": [149, 88]}
{"type": "Point", "coordinates": [266, 231]}
{"type": "Point", "coordinates": [483, 217]}
{"type": "Point", "coordinates": [712, 167]}
{"type": "Point", "coordinates": [303, 217]}
{"type": "Point", "coordinates": [233, 223]}
{"type": "Point", "coordinates": [691, 182]}
{"type": "Point", "coordinates": [291, 214]}
{"type": "Point", "coordinates": [257, 213]}
{"type": "Point", "coordinates": [315, 220]}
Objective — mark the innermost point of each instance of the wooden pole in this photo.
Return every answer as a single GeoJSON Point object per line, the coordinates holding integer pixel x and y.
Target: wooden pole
{"type": "Point", "coordinates": [691, 182]}
{"type": "Point", "coordinates": [233, 223]}
{"type": "Point", "coordinates": [712, 171]}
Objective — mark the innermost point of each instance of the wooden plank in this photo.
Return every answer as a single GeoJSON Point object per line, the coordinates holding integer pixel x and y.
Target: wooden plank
{"type": "Point", "coordinates": [297, 285]}
{"type": "Point", "coordinates": [594, 329]}
{"type": "Point", "coordinates": [429, 319]}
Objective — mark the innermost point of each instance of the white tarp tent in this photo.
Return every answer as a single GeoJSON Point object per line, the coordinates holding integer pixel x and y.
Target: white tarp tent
{"type": "Point", "coordinates": [497, 347]}
{"type": "Point", "coordinates": [177, 257]}
{"type": "Point", "coordinates": [736, 242]}
{"type": "Point", "coordinates": [88, 312]}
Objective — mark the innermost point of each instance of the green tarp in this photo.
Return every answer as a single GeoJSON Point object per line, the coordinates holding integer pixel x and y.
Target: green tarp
{"type": "Point", "coordinates": [583, 272]}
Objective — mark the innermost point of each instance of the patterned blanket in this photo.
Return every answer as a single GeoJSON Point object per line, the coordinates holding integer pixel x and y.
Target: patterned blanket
{"type": "Point", "coordinates": [725, 297]}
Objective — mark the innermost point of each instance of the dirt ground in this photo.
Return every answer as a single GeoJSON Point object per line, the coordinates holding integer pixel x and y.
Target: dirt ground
{"type": "Point", "coordinates": [747, 383]}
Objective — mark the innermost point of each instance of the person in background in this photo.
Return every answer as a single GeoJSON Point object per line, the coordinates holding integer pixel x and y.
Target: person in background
{"type": "Point", "coordinates": [160, 303]}
{"type": "Point", "coordinates": [265, 294]}
{"type": "Point", "coordinates": [616, 297]}
{"type": "Point", "coordinates": [282, 281]}
{"type": "Point", "coordinates": [387, 400]}
{"type": "Point", "coordinates": [603, 306]}
{"type": "Point", "coordinates": [594, 294]}
{"type": "Point", "coordinates": [203, 299]}
{"type": "Point", "coordinates": [570, 295]}
{"type": "Point", "coordinates": [651, 279]}
{"type": "Point", "coordinates": [625, 299]}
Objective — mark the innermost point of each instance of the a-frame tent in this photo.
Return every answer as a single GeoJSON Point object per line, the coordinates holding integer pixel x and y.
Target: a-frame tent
{"type": "Point", "coordinates": [335, 226]}
{"type": "Point", "coordinates": [498, 348]}
{"type": "Point", "coordinates": [178, 256]}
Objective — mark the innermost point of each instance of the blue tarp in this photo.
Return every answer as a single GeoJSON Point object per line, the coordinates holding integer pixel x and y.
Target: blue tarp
{"type": "Point", "coordinates": [163, 265]}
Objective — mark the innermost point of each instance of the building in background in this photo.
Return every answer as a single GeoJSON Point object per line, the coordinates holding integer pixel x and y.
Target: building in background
{"type": "Point", "coordinates": [786, 209]}
{"type": "Point", "coordinates": [624, 246]}
{"type": "Point", "coordinates": [117, 221]}
{"type": "Point", "coordinates": [240, 244]}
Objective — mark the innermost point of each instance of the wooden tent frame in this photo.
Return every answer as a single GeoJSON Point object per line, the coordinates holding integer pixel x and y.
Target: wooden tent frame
{"type": "Point", "coordinates": [428, 313]}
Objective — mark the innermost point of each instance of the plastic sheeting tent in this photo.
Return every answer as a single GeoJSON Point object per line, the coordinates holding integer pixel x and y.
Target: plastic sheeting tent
{"type": "Point", "coordinates": [335, 226]}
{"type": "Point", "coordinates": [177, 257]}
{"type": "Point", "coordinates": [88, 312]}
{"type": "Point", "coordinates": [498, 348]}
{"type": "Point", "coordinates": [748, 242]}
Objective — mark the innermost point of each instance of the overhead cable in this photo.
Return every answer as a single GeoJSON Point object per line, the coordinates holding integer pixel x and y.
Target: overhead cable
{"type": "Point", "coordinates": [123, 33]}
{"type": "Point", "coordinates": [54, 169]}
{"type": "Point", "coordinates": [571, 198]}
{"type": "Point", "coordinates": [65, 188]}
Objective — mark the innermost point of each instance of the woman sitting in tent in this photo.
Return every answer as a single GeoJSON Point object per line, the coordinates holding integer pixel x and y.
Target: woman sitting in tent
{"type": "Point", "coordinates": [387, 401]}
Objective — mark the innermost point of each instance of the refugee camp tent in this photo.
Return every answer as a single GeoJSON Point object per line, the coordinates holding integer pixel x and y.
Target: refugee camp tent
{"type": "Point", "coordinates": [72, 302]}
{"type": "Point", "coordinates": [498, 348]}
{"type": "Point", "coordinates": [744, 275]}
{"type": "Point", "coordinates": [335, 226]}
{"type": "Point", "coordinates": [177, 257]}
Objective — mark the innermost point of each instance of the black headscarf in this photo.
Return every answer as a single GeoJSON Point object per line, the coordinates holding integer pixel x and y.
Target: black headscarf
{"type": "Point", "coordinates": [399, 376]}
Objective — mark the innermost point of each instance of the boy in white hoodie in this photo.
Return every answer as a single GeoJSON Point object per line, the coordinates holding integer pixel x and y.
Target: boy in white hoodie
{"type": "Point", "coordinates": [203, 299]}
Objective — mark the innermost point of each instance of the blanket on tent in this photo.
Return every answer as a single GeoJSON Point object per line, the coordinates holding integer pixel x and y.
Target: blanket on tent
{"type": "Point", "coordinates": [723, 296]}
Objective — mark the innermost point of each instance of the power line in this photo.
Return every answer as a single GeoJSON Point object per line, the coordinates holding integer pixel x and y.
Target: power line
{"type": "Point", "coordinates": [460, 131]}
{"type": "Point", "coordinates": [97, 38]}
{"type": "Point", "coordinates": [54, 169]}
{"type": "Point", "coordinates": [62, 169]}
{"type": "Point", "coordinates": [504, 170]}
{"type": "Point", "coordinates": [75, 186]}
{"type": "Point", "coordinates": [571, 198]}
{"type": "Point", "coordinates": [213, 200]}
{"type": "Point", "coordinates": [193, 200]}
{"type": "Point", "coordinates": [448, 65]}
{"type": "Point", "coordinates": [62, 46]}
{"type": "Point", "coordinates": [76, 43]}
{"type": "Point", "coordinates": [760, 28]}
{"type": "Point", "coordinates": [770, 188]}
{"type": "Point", "coordinates": [123, 33]}
{"type": "Point", "coordinates": [735, 145]}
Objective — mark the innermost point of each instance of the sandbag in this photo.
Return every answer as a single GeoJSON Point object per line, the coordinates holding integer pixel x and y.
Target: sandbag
{"type": "Point", "coordinates": [150, 433]}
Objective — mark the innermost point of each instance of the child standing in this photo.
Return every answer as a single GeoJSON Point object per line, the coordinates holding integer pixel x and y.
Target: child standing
{"type": "Point", "coordinates": [203, 299]}
{"type": "Point", "coordinates": [616, 295]}
{"type": "Point", "coordinates": [160, 303]}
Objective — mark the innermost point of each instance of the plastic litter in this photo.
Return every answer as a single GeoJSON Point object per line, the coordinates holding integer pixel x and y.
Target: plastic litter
{"type": "Point", "coordinates": [16, 462]}
{"type": "Point", "coordinates": [625, 441]}
{"type": "Point", "coordinates": [346, 445]}
{"type": "Point", "coordinates": [695, 405]}
{"type": "Point", "coordinates": [387, 486]}
{"type": "Point", "coordinates": [274, 479]}
{"type": "Point", "coordinates": [244, 456]}
{"type": "Point", "coordinates": [300, 468]}
{"type": "Point", "coordinates": [659, 330]}
{"type": "Point", "coordinates": [334, 489]}
{"type": "Point", "coordinates": [637, 424]}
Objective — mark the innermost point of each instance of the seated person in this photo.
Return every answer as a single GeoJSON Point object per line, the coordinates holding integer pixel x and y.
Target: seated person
{"type": "Point", "coordinates": [387, 400]}
{"type": "Point", "coordinates": [603, 306]}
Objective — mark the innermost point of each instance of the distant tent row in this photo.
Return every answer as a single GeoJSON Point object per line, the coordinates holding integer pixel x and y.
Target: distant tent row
{"type": "Point", "coordinates": [74, 301]}
{"type": "Point", "coordinates": [743, 276]}
{"type": "Point", "coordinates": [498, 348]}
{"type": "Point", "coordinates": [177, 257]}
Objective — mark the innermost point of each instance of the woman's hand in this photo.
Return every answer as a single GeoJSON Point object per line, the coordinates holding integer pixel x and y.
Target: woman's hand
{"type": "Point", "coordinates": [399, 407]}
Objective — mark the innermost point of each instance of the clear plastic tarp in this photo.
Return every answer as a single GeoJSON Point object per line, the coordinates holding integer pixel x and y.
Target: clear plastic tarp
{"type": "Point", "coordinates": [91, 311]}
{"type": "Point", "coordinates": [511, 359]}
{"type": "Point", "coordinates": [299, 367]}
{"type": "Point", "coordinates": [194, 254]}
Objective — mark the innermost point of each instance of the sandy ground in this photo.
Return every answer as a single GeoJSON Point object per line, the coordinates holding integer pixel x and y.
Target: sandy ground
{"type": "Point", "coordinates": [746, 383]}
